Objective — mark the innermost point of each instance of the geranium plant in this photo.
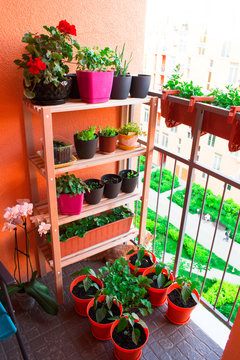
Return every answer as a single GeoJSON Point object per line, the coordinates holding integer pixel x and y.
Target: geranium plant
{"type": "Point", "coordinates": [16, 218]}
{"type": "Point", "coordinates": [46, 56]}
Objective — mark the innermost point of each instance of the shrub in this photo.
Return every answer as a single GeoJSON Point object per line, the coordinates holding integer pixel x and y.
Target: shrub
{"type": "Point", "coordinates": [227, 293]}
{"type": "Point", "coordinates": [166, 181]}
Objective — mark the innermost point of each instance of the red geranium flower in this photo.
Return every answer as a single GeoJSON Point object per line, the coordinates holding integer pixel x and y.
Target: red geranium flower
{"type": "Point", "coordinates": [65, 27]}
{"type": "Point", "coordinates": [36, 65]}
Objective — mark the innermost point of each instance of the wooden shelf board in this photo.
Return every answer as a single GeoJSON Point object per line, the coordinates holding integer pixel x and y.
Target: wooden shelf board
{"type": "Point", "coordinates": [78, 105]}
{"type": "Point", "coordinates": [98, 159]}
{"type": "Point", "coordinates": [87, 210]}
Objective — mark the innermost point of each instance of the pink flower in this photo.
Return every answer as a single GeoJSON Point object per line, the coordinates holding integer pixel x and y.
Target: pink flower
{"type": "Point", "coordinates": [8, 226]}
{"type": "Point", "coordinates": [37, 219]}
{"type": "Point", "coordinates": [8, 214]}
{"type": "Point", "coordinates": [26, 209]}
{"type": "Point", "coordinates": [15, 211]}
{"type": "Point", "coordinates": [43, 228]}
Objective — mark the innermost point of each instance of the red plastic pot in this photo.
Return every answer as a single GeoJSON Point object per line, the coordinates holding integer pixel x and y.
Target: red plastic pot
{"type": "Point", "coordinates": [176, 314]}
{"type": "Point", "coordinates": [128, 354]}
{"type": "Point", "coordinates": [140, 270]}
{"type": "Point", "coordinates": [68, 205]}
{"type": "Point", "coordinates": [81, 304]}
{"type": "Point", "coordinates": [95, 86]}
{"type": "Point", "coordinates": [101, 331]}
{"type": "Point", "coordinates": [157, 297]}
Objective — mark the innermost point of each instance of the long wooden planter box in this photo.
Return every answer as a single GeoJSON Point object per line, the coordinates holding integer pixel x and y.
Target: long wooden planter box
{"type": "Point", "coordinates": [96, 236]}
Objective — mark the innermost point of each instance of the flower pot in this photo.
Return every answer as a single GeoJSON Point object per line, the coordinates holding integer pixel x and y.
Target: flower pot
{"type": "Point", "coordinates": [68, 205]}
{"type": "Point", "coordinates": [25, 301]}
{"type": "Point", "coordinates": [128, 185]}
{"type": "Point", "coordinates": [85, 149]}
{"type": "Point", "coordinates": [121, 87]}
{"type": "Point", "coordinates": [95, 195]}
{"type": "Point", "coordinates": [74, 93]}
{"type": "Point", "coordinates": [127, 142]}
{"type": "Point", "coordinates": [158, 297]}
{"type": "Point", "coordinates": [107, 144]}
{"type": "Point", "coordinates": [140, 85]}
{"type": "Point", "coordinates": [140, 270]}
{"type": "Point", "coordinates": [49, 94]}
{"type": "Point", "coordinates": [95, 86]}
{"type": "Point", "coordinates": [111, 190]}
{"type": "Point", "coordinates": [101, 331]}
{"type": "Point", "coordinates": [127, 354]}
{"type": "Point", "coordinates": [81, 304]}
{"type": "Point", "coordinates": [176, 314]}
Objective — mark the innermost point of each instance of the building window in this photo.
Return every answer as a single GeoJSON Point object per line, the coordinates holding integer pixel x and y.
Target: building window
{"type": "Point", "coordinates": [204, 175]}
{"type": "Point", "coordinates": [235, 154]}
{"type": "Point", "coordinates": [189, 133]}
{"type": "Point", "coordinates": [201, 48]}
{"type": "Point", "coordinates": [157, 137]}
{"type": "Point", "coordinates": [174, 130]}
{"type": "Point", "coordinates": [146, 115]}
{"type": "Point", "coordinates": [164, 140]}
{"type": "Point", "coordinates": [179, 141]}
{"type": "Point", "coordinates": [178, 149]}
{"type": "Point", "coordinates": [217, 161]}
{"type": "Point", "coordinates": [211, 140]}
{"type": "Point", "coordinates": [226, 48]}
{"type": "Point", "coordinates": [233, 74]}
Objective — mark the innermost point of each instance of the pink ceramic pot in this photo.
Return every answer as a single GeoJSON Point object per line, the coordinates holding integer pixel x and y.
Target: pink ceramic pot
{"type": "Point", "coordinates": [70, 205]}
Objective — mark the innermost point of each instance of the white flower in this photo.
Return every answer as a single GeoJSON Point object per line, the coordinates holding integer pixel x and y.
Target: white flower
{"type": "Point", "coordinates": [26, 209]}
{"type": "Point", "coordinates": [43, 228]}
{"type": "Point", "coordinates": [8, 226]}
{"type": "Point", "coordinates": [15, 211]}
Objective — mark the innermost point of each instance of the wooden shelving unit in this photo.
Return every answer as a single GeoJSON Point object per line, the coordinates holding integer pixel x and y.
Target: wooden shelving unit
{"type": "Point", "coordinates": [45, 167]}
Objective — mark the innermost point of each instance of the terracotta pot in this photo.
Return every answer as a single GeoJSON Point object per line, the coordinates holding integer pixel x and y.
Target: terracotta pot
{"type": "Point", "coordinates": [176, 314]}
{"type": "Point", "coordinates": [121, 86]}
{"type": "Point", "coordinates": [140, 270]}
{"type": "Point", "coordinates": [81, 304]}
{"type": "Point", "coordinates": [158, 297]}
{"type": "Point", "coordinates": [85, 149]}
{"type": "Point", "coordinates": [128, 354]}
{"type": "Point", "coordinates": [127, 142]}
{"type": "Point", "coordinates": [128, 185]}
{"type": "Point", "coordinates": [94, 196]}
{"type": "Point", "coordinates": [68, 205]}
{"type": "Point", "coordinates": [107, 144]}
{"type": "Point", "coordinates": [49, 94]}
{"type": "Point", "coordinates": [101, 331]}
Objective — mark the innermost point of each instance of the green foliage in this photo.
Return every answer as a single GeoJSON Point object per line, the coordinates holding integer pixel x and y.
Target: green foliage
{"type": "Point", "coordinates": [166, 180]}
{"type": "Point", "coordinates": [130, 129]}
{"type": "Point", "coordinates": [226, 99]}
{"type": "Point", "coordinates": [95, 59]}
{"type": "Point", "coordinates": [93, 185]}
{"type": "Point", "coordinates": [227, 295]}
{"type": "Point", "coordinates": [127, 324]}
{"type": "Point", "coordinates": [162, 274]}
{"type": "Point", "coordinates": [70, 184]}
{"type": "Point", "coordinates": [186, 290]}
{"type": "Point", "coordinates": [142, 163]}
{"type": "Point", "coordinates": [114, 179]}
{"type": "Point", "coordinates": [141, 252]}
{"type": "Point", "coordinates": [88, 134]}
{"type": "Point", "coordinates": [108, 131]}
{"type": "Point", "coordinates": [87, 281]}
{"type": "Point", "coordinates": [105, 311]}
{"type": "Point", "coordinates": [120, 65]}
{"type": "Point", "coordinates": [129, 174]}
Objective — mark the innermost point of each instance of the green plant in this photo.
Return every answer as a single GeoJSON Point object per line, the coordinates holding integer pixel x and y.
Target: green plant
{"type": "Point", "coordinates": [45, 57]}
{"type": "Point", "coordinates": [95, 59]}
{"type": "Point", "coordinates": [130, 129]}
{"type": "Point", "coordinates": [140, 255]}
{"type": "Point", "coordinates": [127, 324]}
{"type": "Point", "coordinates": [161, 275]}
{"type": "Point", "coordinates": [130, 174]}
{"type": "Point", "coordinates": [105, 311]}
{"type": "Point", "coordinates": [59, 144]}
{"type": "Point", "coordinates": [113, 179]}
{"type": "Point", "coordinates": [186, 288]}
{"type": "Point", "coordinates": [108, 131]}
{"type": "Point", "coordinates": [166, 180]}
{"type": "Point", "coordinates": [94, 185]}
{"type": "Point", "coordinates": [87, 282]}
{"type": "Point", "coordinates": [70, 184]}
{"type": "Point", "coordinates": [88, 134]}
{"type": "Point", "coordinates": [120, 65]}
{"type": "Point", "coordinates": [226, 99]}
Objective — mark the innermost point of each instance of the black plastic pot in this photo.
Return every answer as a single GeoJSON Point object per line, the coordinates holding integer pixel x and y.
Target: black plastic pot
{"type": "Point", "coordinates": [128, 185]}
{"type": "Point", "coordinates": [49, 94]}
{"type": "Point", "coordinates": [111, 189]}
{"type": "Point", "coordinates": [140, 85]}
{"type": "Point", "coordinates": [74, 93]}
{"type": "Point", "coordinates": [94, 196]}
{"type": "Point", "coordinates": [121, 86]}
{"type": "Point", "coordinates": [85, 149]}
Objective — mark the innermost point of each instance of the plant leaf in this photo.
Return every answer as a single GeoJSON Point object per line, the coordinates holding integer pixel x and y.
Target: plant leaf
{"type": "Point", "coordinates": [41, 294]}
{"type": "Point", "coordinates": [100, 314]}
{"type": "Point", "coordinates": [136, 335]}
{"type": "Point", "coordinates": [160, 280]}
{"type": "Point", "coordinates": [123, 323]}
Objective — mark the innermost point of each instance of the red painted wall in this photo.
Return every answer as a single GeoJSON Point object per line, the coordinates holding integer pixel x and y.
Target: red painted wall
{"type": "Point", "coordinates": [98, 22]}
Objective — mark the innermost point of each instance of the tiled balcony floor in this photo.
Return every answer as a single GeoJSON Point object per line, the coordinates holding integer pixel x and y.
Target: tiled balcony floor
{"type": "Point", "coordinates": [68, 336]}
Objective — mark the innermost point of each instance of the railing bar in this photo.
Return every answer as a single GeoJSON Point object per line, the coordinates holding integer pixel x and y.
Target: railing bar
{"type": "Point", "coordinates": [214, 237]}
{"type": "Point", "coordinates": [216, 313]}
{"type": "Point", "coordinates": [234, 304]}
{"type": "Point", "coordinates": [199, 225]}
{"type": "Point", "coordinates": [169, 211]}
{"type": "Point", "coordinates": [227, 261]}
{"type": "Point", "coordinates": [157, 205]}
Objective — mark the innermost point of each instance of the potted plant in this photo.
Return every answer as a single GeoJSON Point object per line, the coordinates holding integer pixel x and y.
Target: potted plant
{"type": "Point", "coordinates": [182, 299]}
{"type": "Point", "coordinates": [129, 180]}
{"type": "Point", "coordinates": [70, 190]}
{"type": "Point", "coordinates": [128, 136]}
{"type": "Point", "coordinates": [108, 140]}
{"type": "Point", "coordinates": [83, 288]}
{"type": "Point", "coordinates": [62, 149]}
{"type": "Point", "coordinates": [100, 312]}
{"type": "Point", "coordinates": [27, 291]}
{"type": "Point", "coordinates": [160, 275]}
{"type": "Point", "coordinates": [44, 68]}
{"type": "Point", "coordinates": [86, 142]}
{"type": "Point", "coordinates": [129, 336]}
{"type": "Point", "coordinates": [140, 260]}
{"type": "Point", "coordinates": [121, 80]}
{"type": "Point", "coordinates": [94, 192]}
{"type": "Point", "coordinates": [113, 183]}
{"type": "Point", "coordinates": [140, 85]}
{"type": "Point", "coordinates": [95, 73]}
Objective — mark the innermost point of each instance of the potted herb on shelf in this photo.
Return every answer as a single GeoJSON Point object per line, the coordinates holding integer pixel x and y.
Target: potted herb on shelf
{"type": "Point", "coordinates": [44, 64]}
{"type": "Point", "coordinates": [62, 149]}
{"type": "Point", "coordinates": [86, 142]}
{"type": "Point", "coordinates": [83, 288]}
{"type": "Point", "coordinates": [182, 299]}
{"type": "Point", "coordinates": [70, 190]}
{"type": "Point", "coordinates": [128, 136]}
{"type": "Point", "coordinates": [140, 260]}
{"type": "Point", "coordinates": [121, 80]}
{"type": "Point", "coordinates": [95, 191]}
{"type": "Point", "coordinates": [108, 140]}
{"type": "Point", "coordinates": [95, 73]}
{"type": "Point", "coordinates": [113, 183]}
{"type": "Point", "coordinates": [129, 180]}
{"type": "Point", "coordinates": [160, 275]}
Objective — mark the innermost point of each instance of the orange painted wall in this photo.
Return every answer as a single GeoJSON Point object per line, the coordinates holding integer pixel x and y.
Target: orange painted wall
{"type": "Point", "coordinates": [98, 22]}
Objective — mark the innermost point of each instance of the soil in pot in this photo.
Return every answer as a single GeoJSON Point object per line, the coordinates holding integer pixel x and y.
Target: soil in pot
{"type": "Point", "coordinates": [128, 183]}
{"type": "Point", "coordinates": [145, 262]}
{"type": "Point", "coordinates": [112, 184]}
{"type": "Point", "coordinates": [154, 284]}
{"type": "Point", "coordinates": [125, 341]}
{"type": "Point", "coordinates": [80, 293]}
{"type": "Point", "coordinates": [96, 191]}
{"type": "Point", "coordinates": [62, 152]}
{"type": "Point", "coordinates": [115, 310]}
{"type": "Point", "coordinates": [85, 149]}
{"type": "Point", "coordinates": [175, 298]}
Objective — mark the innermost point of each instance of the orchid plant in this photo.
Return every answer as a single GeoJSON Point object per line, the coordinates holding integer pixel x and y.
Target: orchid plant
{"type": "Point", "coordinates": [16, 218]}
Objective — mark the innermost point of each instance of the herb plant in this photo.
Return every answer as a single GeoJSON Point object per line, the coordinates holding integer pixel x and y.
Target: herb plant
{"type": "Point", "coordinates": [127, 324]}
{"type": "Point", "coordinates": [226, 99]}
{"type": "Point", "coordinates": [87, 282]}
{"type": "Point", "coordinates": [108, 131]}
{"type": "Point", "coordinates": [130, 129]}
{"type": "Point", "coordinates": [131, 174]}
{"type": "Point", "coordinates": [88, 134]}
{"type": "Point", "coordinates": [161, 275]}
{"type": "Point", "coordinates": [70, 184]}
{"type": "Point", "coordinates": [140, 255]}
{"type": "Point", "coordinates": [94, 185]}
{"type": "Point", "coordinates": [113, 179]}
{"type": "Point", "coordinates": [120, 65]}
{"type": "Point", "coordinates": [59, 144]}
{"type": "Point", "coordinates": [95, 59]}
{"type": "Point", "coordinates": [105, 311]}
{"type": "Point", "coordinates": [186, 290]}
